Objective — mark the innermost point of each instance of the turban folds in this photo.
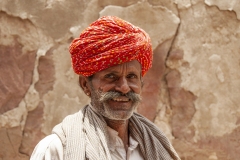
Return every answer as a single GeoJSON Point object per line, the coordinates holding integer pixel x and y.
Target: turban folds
{"type": "Point", "coordinates": [107, 42]}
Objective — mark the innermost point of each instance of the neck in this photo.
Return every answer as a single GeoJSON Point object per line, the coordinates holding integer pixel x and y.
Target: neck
{"type": "Point", "coordinates": [121, 126]}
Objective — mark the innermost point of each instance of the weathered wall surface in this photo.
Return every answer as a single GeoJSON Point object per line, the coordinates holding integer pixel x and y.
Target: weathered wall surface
{"type": "Point", "coordinates": [192, 91]}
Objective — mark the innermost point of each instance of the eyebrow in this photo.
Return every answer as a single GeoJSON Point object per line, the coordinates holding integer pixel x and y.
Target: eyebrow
{"type": "Point", "coordinates": [116, 73]}
{"type": "Point", "coordinates": [131, 69]}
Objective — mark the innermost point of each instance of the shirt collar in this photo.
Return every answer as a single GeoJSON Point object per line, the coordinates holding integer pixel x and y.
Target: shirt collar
{"type": "Point", "coordinates": [115, 141]}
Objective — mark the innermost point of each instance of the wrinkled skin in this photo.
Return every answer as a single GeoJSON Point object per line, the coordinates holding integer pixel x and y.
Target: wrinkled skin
{"type": "Point", "coordinates": [115, 91]}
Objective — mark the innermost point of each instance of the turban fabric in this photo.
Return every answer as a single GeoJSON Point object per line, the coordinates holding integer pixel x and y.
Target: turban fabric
{"type": "Point", "coordinates": [107, 42]}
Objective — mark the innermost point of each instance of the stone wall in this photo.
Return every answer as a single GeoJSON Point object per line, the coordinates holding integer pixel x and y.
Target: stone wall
{"type": "Point", "coordinates": [192, 91]}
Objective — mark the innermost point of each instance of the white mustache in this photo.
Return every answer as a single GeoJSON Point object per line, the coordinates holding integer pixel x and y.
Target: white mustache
{"type": "Point", "coordinates": [114, 95]}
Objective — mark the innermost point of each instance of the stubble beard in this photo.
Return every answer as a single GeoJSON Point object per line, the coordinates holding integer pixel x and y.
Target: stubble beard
{"type": "Point", "coordinates": [100, 102]}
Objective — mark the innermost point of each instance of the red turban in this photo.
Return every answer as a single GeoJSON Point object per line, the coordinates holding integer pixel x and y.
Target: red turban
{"type": "Point", "coordinates": [107, 42]}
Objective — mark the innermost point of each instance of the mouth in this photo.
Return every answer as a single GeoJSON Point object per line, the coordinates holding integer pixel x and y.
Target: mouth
{"type": "Point", "coordinates": [121, 99]}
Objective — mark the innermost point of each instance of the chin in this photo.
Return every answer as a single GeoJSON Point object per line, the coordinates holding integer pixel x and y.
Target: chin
{"type": "Point", "coordinates": [112, 114]}
{"type": "Point", "coordinates": [121, 116]}
{"type": "Point", "coordinates": [118, 117]}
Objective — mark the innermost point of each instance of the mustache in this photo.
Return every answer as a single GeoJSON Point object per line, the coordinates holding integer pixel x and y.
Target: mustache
{"type": "Point", "coordinates": [134, 97]}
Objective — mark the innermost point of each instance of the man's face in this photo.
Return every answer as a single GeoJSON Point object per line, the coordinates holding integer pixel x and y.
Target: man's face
{"type": "Point", "coordinates": [115, 92]}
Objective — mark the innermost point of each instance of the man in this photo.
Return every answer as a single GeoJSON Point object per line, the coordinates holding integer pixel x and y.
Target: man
{"type": "Point", "coordinates": [110, 57]}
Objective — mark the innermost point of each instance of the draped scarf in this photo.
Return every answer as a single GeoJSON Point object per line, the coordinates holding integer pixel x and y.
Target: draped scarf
{"type": "Point", "coordinates": [84, 136]}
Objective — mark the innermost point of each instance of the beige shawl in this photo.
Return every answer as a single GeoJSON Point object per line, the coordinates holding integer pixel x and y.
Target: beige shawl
{"type": "Point", "coordinates": [84, 134]}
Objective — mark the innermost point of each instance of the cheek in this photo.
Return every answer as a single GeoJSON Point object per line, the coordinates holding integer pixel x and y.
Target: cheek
{"type": "Point", "coordinates": [105, 88]}
{"type": "Point", "coordinates": [136, 88]}
{"type": "Point", "coordinates": [97, 85]}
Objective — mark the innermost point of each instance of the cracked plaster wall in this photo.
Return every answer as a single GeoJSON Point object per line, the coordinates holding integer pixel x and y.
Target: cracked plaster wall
{"type": "Point", "coordinates": [192, 91]}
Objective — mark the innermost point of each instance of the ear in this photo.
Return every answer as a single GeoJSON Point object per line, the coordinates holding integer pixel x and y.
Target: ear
{"type": "Point", "coordinates": [84, 84]}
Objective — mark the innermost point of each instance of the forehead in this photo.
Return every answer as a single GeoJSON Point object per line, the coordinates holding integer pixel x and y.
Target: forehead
{"type": "Point", "coordinates": [132, 66]}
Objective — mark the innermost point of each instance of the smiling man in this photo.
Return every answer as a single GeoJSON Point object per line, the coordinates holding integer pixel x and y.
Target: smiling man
{"type": "Point", "coordinates": [111, 56]}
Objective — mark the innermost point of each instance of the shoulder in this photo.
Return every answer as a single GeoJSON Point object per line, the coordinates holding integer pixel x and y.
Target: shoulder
{"type": "Point", "coordinates": [49, 148]}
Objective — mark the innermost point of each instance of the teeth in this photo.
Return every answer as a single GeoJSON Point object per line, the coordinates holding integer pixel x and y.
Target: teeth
{"type": "Point", "coordinates": [121, 99]}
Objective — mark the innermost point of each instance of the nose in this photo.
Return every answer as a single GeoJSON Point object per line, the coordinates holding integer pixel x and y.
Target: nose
{"type": "Point", "coordinates": [122, 85]}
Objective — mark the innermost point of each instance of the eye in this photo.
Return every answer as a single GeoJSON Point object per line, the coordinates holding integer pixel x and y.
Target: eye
{"type": "Point", "coordinates": [110, 76]}
{"type": "Point", "coordinates": [132, 76]}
